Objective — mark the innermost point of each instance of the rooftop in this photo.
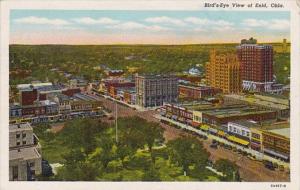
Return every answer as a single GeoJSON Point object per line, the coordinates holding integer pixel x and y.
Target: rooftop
{"type": "Point", "coordinates": [268, 101]}
{"type": "Point", "coordinates": [229, 112]}
{"type": "Point", "coordinates": [246, 123]}
{"type": "Point", "coordinates": [84, 97]}
{"type": "Point", "coordinates": [283, 131]}
{"type": "Point", "coordinates": [33, 85]}
{"type": "Point", "coordinates": [24, 153]}
{"type": "Point", "coordinates": [19, 127]}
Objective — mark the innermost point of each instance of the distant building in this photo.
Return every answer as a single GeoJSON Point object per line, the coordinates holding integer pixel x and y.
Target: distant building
{"type": "Point", "coordinates": [32, 93]}
{"type": "Point", "coordinates": [271, 102]}
{"type": "Point", "coordinates": [24, 156]}
{"type": "Point", "coordinates": [284, 46]}
{"type": "Point", "coordinates": [114, 73]}
{"type": "Point", "coordinates": [155, 90]}
{"type": "Point", "coordinates": [194, 71]}
{"type": "Point", "coordinates": [78, 83]}
{"type": "Point", "coordinates": [223, 72]}
{"type": "Point", "coordinates": [196, 92]}
{"type": "Point", "coordinates": [256, 66]}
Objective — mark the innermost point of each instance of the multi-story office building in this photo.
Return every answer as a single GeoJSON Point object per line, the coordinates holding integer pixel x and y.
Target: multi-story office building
{"type": "Point", "coordinates": [154, 90]}
{"type": "Point", "coordinates": [25, 160]}
{"type": "Point", "coordinates": [223, 72]}
{"type": "Point", "coordinates": [256, 65]}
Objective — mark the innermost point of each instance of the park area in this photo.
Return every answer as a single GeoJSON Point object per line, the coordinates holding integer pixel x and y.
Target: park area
{"type": "Point", "coordinates": [90, 150]}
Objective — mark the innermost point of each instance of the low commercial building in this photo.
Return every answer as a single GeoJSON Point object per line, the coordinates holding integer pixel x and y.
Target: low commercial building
{"type": "Point", "coordinates": [271, 102]}
{"type": "Point", "coordinates": [179, 113]}
{"type": "Point", "coordinates": [196, 92]}
{"type": "Point", "coordinates": [24, 156]}
{"type": "Point", "coordinates": [219, 117]}
{"type": "Point", "coordinates": [276, 142]}
{"type": "Point", "coordinates": [15, 111]}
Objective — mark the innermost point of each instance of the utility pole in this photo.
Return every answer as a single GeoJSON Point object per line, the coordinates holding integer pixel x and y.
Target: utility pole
{"type": "Point", "coordinates": [116, 122]}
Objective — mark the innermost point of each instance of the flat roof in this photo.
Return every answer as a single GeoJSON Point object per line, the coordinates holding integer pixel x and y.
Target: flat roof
{"type": "Point", "coordinates": [24, 153]}
{"type": "Point", "coordinates": [229, 112]}
{"type": "Point", "coordinates": [35, 85]}
{"type": "Point", "coordinates": [246, 123]}
{"type": "Point", "coordinates": [283, 131]}
{"type": "Point", "coordinates": [19, 127]}
{"type": "Point", "coordinates": [268, 101]}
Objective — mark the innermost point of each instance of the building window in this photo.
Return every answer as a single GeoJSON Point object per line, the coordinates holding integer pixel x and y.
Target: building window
{"type": "Point", "coordinates": [17, 136]}
{"type": "Point", "coordinates": [24, 142]}
{"type": "Point", "coordinates": [24, 135]}
{"type": "Point", "coordinates": [18, 143]}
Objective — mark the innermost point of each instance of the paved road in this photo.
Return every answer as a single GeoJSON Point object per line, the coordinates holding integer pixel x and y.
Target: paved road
{"type": "Point", "coordinates": [250, 170]}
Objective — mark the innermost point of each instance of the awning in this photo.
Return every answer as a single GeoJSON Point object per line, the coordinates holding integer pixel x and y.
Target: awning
{"type": "Point", "coordinates": [204, 127]}
{"type": "Point", "coordinates": [195, 124]}
{"type": "Point", "coordinates": [276, 154]}
{"type": "Point", "coordinates": [221, 133]}
{"type": "Point", "coordinates": [238, 140]}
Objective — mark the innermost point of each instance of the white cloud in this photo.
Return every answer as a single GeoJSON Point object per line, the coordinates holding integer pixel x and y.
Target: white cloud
{"type": "Point", "coordinates": [42, 20]}
{"type": "Point", "coordinates": [165, 20]}
{"type": "Point", "coordinates": [279, 24]}
{"type": "Point", "coordinates": [90, 21]}
{"type": "Point", "coordinates": [138, 26]}
{"type": "Point", "coordinates": [206, 24]}
{"type": "Point", "coordinates": [197, 21]}
{"type": "Point", "coordinates": [274, 24]}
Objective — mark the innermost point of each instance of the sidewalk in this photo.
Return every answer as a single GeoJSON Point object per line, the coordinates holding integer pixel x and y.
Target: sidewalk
{"type": "Point", "coordinates": [256, 154]}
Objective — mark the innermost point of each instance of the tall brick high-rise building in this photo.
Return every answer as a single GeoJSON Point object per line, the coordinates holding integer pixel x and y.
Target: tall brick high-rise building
{"type": "Point", "coordinates": [223, 72]}
{"type": "Point", "coordinates": [256, 65]}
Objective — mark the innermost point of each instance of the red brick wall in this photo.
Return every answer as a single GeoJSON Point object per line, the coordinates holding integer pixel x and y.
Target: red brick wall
{"type": "Point", "coordinates": [71, 91]}
{"type": "Point", "coordinates": [28, 97]}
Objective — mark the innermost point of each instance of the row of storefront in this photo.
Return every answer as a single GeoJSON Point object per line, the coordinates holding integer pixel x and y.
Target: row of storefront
{"type": "Point", "coordinates": [255, 138]}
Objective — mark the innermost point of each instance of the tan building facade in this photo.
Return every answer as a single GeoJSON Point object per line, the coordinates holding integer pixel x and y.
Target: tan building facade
{"type": "Point", "coordinates": [223, 72]}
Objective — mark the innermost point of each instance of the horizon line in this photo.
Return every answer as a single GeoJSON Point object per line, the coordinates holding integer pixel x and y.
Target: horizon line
{"type": "Point", "coordinates": [145, 44]}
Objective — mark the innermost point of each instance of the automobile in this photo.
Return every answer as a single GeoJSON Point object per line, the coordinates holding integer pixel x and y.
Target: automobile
{"type": "Point", "coordinates": [214, 141]}
{"type": "Point", "coordinates": [269, 165]}
{"type": "Point", "coordinates": [275, 165]}
{"type": "Point", "coordinates": [215, 146]}
{"type": "Point", "coordinates": [244, 153]}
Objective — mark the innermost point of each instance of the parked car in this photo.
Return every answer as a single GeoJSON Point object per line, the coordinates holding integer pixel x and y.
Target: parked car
{"type": "Point", "coordinates": [269, 165]}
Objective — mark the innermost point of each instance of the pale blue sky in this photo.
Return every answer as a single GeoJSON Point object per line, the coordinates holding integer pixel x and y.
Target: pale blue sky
{"type": "Point", "coordinates": [158, 27]}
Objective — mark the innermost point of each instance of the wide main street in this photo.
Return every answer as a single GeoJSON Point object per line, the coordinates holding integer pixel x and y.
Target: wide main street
{"type": "Point", "coordinates": [250, 170]}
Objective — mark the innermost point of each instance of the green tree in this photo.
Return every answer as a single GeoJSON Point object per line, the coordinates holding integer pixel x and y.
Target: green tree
{"type": "Point", "coordinates": [153, 133]}
{"type": "Point", "coordinates": [186, 152]}
{"type": "Point", "coordinates": [229, 169]}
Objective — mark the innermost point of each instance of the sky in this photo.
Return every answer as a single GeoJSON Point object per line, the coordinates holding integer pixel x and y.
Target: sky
{"type": "Point", "coordinates": [146, 27]}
